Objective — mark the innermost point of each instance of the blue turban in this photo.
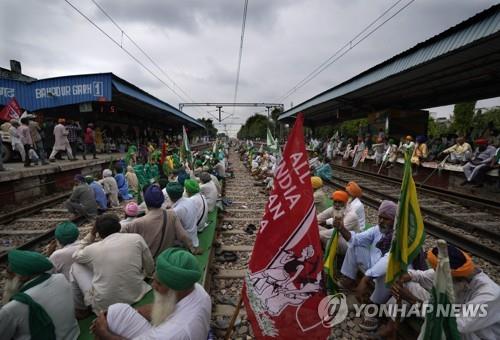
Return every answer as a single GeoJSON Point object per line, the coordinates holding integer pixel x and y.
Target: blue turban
{"type": "Point", "coordinates": [154, 197]}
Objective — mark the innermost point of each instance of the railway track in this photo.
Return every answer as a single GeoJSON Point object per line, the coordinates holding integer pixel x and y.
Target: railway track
{"type": "Point", "coordinates": [34, 226]}
{"type": "Point", "coordinates": [227, 276]}
{"type": "Point", "coordinates": [477, 232]}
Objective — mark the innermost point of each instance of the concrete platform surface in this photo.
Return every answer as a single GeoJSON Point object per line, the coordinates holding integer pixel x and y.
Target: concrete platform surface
{"type": "Point", "coordinates": [17, 170]}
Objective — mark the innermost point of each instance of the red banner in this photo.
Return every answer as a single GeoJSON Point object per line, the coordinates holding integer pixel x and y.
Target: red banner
{"type": "Point", "coordinates": [11, 110]}
{"type": "Point", "coordinates": [283, 285]}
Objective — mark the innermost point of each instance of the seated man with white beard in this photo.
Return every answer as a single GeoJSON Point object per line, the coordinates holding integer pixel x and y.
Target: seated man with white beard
{"type": "Point", "coordinates": [338, 212]}
{"type": "Point", "coordinates": [368, 252]}
{"type": "Point", "coordinates": [181, 308]}
{"type": "Point", "coordinates": [36, 305]}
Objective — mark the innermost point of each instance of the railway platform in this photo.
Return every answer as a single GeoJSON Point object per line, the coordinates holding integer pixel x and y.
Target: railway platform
{"type": "Point", "coordinates": [20, 184]}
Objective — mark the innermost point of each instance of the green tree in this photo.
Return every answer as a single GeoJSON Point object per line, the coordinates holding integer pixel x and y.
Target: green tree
{"type": "Point", "coordinates": [463, 114]}
{"type": "Point", "coordinates": [255, 127]}
{"type": "Point", "coordinates": [209, 130]}
{"type": "Point", "coordinates": [435, 128]}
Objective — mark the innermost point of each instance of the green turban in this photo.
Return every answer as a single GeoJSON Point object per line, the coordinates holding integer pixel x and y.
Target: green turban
{"type": "Point", "coordinates": [177, 269]}
{"type": "Point", "coordinates": [192, 187]}
{"type": "Point", "coordinates": [89, 179]}
{"type": "Point", "coordinates": [28, 263]}
{"type": "Point", "coordinates": [174, 190]}
{"type": "Point", "coordinates": [66, 232]}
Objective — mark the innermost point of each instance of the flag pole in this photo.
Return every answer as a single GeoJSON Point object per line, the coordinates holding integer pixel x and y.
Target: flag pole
{"type": "Point", "coordinates": [229, 330]}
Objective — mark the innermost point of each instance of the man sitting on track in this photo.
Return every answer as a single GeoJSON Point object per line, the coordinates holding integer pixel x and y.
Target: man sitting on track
{"type": "Point", "coordinates": [320, 197]}
{"type": "Point", "coordinates": [100, 196]}
{"type": "Point", "coordinates": [355, 203]}
{"type": "Point", "coordinates": [192, 189]}
{"type": "Point", "coordinates": [66, 237]}
{"type": "Point", "coordinates": [181, 308]}
{"type": "Point", "coordinates": [81, 201]}
{"type": "Point", "coordinates": [471, 287]}
{"type": "Point", "coordinates": [368, 252]}
{"type": "Point", "coordinates": [186, 211]}
{"type": "Point", "coordinates": [209, 190]}
{"type": "Point", "coordinates": [111, 270]}
{"type": "Point", "coordinates": [337, 212]}
{"type": "Point", "coordinates": [160, 227]}
{"type": "Point", "coordinates": [37, 305]}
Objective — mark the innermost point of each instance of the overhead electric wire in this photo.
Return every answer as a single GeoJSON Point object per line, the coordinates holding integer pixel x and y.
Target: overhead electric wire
{"type": "Point", "coordinates": [142, 50]}
{"type": "Point", "coordinates": [240, 52]}
{"type": "Point", "coordinates": [124, 49]}
{"type": "Point", "coordinates": [337, 55]}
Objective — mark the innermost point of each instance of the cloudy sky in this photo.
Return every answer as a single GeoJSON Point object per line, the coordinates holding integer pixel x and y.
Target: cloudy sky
{"type": "Point", "coordinates": [196, 43]}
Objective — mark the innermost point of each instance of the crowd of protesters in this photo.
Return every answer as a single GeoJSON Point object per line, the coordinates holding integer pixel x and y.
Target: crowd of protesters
{"type": "Point", "coordinates": [475, 157]}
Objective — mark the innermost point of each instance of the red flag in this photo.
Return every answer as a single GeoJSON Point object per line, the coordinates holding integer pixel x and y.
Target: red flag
{"type": "Point", "coordinates": [11, 110]}
{"type": "Point", "coordinates": [283, 285]}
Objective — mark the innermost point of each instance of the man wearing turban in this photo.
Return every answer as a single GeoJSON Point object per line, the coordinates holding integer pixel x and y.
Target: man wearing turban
{"type": "Point", "coordinates": [355, 204]}
{"type": "Point", "coordinates": [36, 304]}
{"type": "Point", "coordinates": [110, 186]}
{"type": "Point", "coordinates": [337, 214]}
{"type": "Point", "coordinates": [471, 286]}
{"type": "Point", "coordinates": [99, 194]}
{"type": "Point", "coordinates": [160, 228]}
{"type": "Point", "coordinates": [209, 189]}
{"type": "Point", "coordinates": [181, 307]}
{"type": "Point", "coordinates": [319, 196]}
{"type": "Point", "coordinates": [82, 201]}
{"type": "Point", "coordinates": [368, 252]}
{"type": "Point", "coordinates": [110, 270]}
{"type": "Point", "coordinates": [186, 210]}
{"type": "Point", "coordinates": [479, 165]}
{"type": "Point", "coordinates": [192, 189]}
{"type": "Point", "coordinates": [66, 234]}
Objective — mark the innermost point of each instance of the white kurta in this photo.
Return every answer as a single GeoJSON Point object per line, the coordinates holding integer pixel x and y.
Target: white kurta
{"type": "Point", "coordinates": [480, 290]}
{"type": "Point", "coordinates": [217, 184]}
{"type": "Point", "coordinates": [359, 210]}
{"type": "Point", "coordinates": [117, 264]}
{"type": "Point", "coordinates": [350, 223]}
{"type": "Point", "coordinates": [55, 296]}
{"type": "Point", "coordinates": [209, 190]}
{"type": "Point", "coordinates": [202, 210]}
{"type": "Point", "coordinates": [61, 138]}
{"type": "Point", "coordinates": [189, 321]}
{"type": "Point", "coordinates": [362, 254]}
{"type": "Point", "coordinates": [186, 211]}
{"type": "Point", "coordinates": [62, 259]}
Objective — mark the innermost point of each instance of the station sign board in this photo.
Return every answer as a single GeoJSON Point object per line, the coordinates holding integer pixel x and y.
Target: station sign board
{"type": "Point", "coordinates": [54, 92]}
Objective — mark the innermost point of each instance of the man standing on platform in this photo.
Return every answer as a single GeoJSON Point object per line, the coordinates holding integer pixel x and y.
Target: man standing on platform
{"type": "Point", "coordinates": [74, 132]}
{"type": "Point", "coordinates": [36, 304]}
{"type": "Point", "coordinates": [26, 140]}
{"type": "Point", "coordinates": [37, 137]}
{"type": "Point", "coordinates": [61, 141]}
{"type": "Point", "coordinates": [15, 139]}
{"type": "Point", "coordinates": [181, 307]}
{"type": "Point", "coordinates": [89, 141]}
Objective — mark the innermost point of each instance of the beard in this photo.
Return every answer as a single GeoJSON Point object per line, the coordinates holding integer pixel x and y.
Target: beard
{"type": "Point", "coordinates": [163, 307]}
{"type": "Point", "coordinates": [11, 287]}
{"type": "Point", "coordinates": [338, 213]}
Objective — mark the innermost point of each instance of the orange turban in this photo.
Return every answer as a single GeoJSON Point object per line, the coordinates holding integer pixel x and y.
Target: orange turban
{"type": "Point", "coordinates": [464, 270]}
{"type": "Point", "coordinates": [353, 189]}
{"type": "Point", "coordinates": [340, 196]}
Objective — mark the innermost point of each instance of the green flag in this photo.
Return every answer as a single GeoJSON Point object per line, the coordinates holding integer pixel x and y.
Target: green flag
{"type": "Point", "coordinates": [439, 325]}
{"type": "Point", "coordinates": [185, 151]}
{"type": "Point", "coordinates": [408, 228]}
{"type": "Point", "coordinates": [271, 142]}
{"type": "Point", "coordinates": [329, 264]}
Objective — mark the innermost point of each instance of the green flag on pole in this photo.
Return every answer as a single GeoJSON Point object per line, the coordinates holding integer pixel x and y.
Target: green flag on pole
{"type": "Point", "coordinates": [271, 142]}
{"type": "Point", "coordinates": [408, 228]}
{"type": "Point", "coordinates": [185, 151]}
{"type": "Point", "coordinates": [439, 325]}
